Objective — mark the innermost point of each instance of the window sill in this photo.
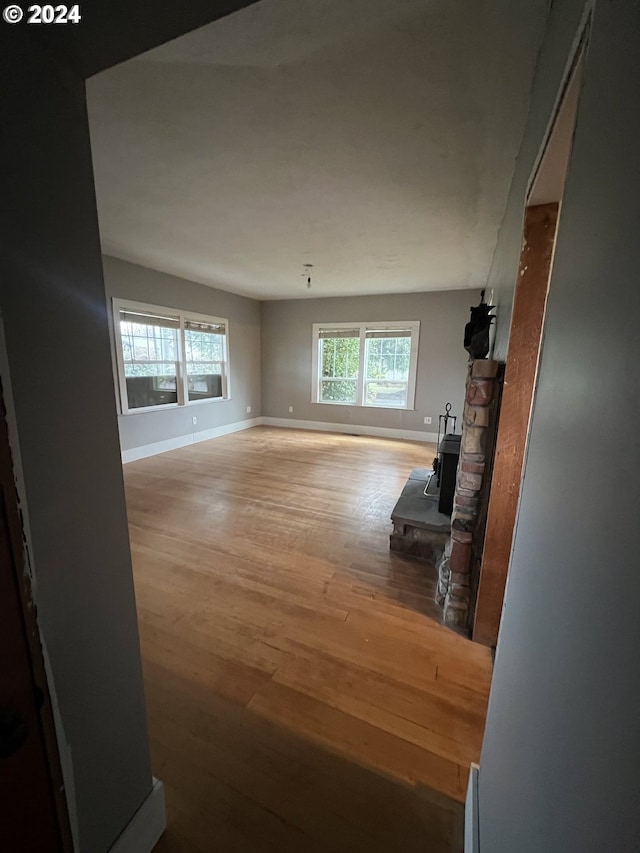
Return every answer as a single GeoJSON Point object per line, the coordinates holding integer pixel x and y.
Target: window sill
{"type": "Point", "coordinates": [209, 400]}
{"type": "Point", "coordinates": [363, 406]}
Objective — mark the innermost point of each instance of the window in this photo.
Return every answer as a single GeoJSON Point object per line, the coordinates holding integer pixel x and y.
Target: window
{"type": "Point", "coordinates": [365, 364]}
{"type": "Point", "coordinates": [169, 358]}
{"type": "Point", "coordinates": [339, 351]}
{"type": "Point", "coordinates": [204, 346]}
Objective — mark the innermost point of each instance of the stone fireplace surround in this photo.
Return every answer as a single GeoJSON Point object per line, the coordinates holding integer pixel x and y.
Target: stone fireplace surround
{"type": "Point", "coordinates": [454, 545]}
{"type": "Point", "coordinates": [458, 566]}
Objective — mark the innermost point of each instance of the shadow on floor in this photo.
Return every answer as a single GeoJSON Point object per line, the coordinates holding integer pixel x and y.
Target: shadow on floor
{"type": "Point", "coordinates": [408, 581]}
{"type": "Point", "coordinates": [237, 783]}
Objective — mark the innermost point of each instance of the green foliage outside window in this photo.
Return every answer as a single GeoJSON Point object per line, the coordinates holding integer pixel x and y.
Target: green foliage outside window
{"type": "Point", "coordinates": [386, 369]}
{"type": "Point", "coordinates": [340, 361]}
{"type": "Point", "coordinates": [340, 358]}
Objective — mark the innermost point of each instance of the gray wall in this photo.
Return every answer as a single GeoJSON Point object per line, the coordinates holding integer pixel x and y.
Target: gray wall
{"type": "Point", "coordinates": [559, 766]}
{"type": "Point", "coordinates": [54, 314]}
{"type": "Point", "coordinates": [442, 360]}
{"type": "Point", "coordinates": [554, 55]}
{"type": "Point", "coordinates": [129, 281]}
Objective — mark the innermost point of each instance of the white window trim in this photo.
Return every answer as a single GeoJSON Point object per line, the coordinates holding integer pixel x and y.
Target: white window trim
{"type": "Point", "coordinates": [181, 378]}
{"type": "Point", "coordinates": [412, 325]}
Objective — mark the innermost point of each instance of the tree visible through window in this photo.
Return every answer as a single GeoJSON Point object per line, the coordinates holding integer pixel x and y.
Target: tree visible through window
{"type": "Point", "coordinates": [168, 358]}
{"type": "Point", "coordinates": [387, 359]}
{"type": "Point", "coordinates": [150, 356]}
{"type": "Point", "coordinates": [366, 364]}
{"type": "Point", "coordinates": [340, 359]}
{"type": "Point", "coordinates": [204, 356]}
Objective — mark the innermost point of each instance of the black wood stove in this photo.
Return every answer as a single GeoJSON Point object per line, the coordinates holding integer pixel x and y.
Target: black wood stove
{"type": "Point", "coordinates": [445, 465]}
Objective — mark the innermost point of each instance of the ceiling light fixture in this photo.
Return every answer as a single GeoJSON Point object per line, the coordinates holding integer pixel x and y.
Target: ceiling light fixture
{"type": "Point", "coordinates": [307, 274]}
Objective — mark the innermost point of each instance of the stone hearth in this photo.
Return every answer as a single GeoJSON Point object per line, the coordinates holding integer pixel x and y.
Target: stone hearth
{"type": "Point", "coordinates": [418, 528]}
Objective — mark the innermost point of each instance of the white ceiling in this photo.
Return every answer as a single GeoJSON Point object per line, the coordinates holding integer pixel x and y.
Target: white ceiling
{"type": "Point", "coordinates": [375, 139]}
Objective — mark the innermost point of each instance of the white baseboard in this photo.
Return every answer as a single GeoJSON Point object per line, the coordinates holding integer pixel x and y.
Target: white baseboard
{"type": "Point", "coordinates": [156, 447]}
{"type": "Point", "coordinates": [353, 429]}
{"type": "Point", "coordinates": [184, 440]}
{"type": "Point", "coordinates": [471, 826]}
{"type": "Point", "coordinates": [143, 831]}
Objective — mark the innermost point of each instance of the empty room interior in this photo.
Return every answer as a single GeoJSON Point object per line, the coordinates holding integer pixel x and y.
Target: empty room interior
{"type": "Point", "coordinates": [314, 316]}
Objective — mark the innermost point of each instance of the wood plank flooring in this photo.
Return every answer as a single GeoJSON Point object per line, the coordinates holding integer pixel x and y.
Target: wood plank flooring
{"type": "Point", "coordinates": [301, 692]}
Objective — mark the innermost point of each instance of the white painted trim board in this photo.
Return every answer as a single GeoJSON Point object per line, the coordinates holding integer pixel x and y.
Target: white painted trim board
{"type": "Point", "coordinates": [156, 447]}
{"type": "Point", "coordinates": [145, 450]}
{"type": "Point", "coordinates": [353, 429]}
{"type": "Point", "coordinates": [471, 817]}
{"type": "Point", "coordinates": [144, 829]}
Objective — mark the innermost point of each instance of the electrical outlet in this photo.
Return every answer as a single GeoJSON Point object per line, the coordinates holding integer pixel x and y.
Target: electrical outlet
{"type": "Point", "coordinates": [248, 410]}
{"type": "Point", "coordinates": [290, 410]}
{"type": "Point", "coordinates": [194, 420]}
{"type": "Point", "coordinates": [427, 420]}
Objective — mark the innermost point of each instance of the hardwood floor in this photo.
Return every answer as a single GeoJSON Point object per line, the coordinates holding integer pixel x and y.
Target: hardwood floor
{"type": "Point", "coordinates": [301, 693]}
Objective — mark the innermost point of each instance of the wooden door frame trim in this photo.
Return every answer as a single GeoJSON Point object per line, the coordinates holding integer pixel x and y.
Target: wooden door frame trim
{"type": "Point", "coordinates": [527, 325]}
{"type": "Point", "coordinates": [18, 546]}
{"type": "Point", "coordinates": [576, 54]}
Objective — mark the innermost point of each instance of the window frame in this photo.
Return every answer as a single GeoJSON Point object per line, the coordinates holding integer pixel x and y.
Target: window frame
{"type": "Point", "coordinates": [413, 326]}
{"type": "Point", "coordinates": [182, 377]}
